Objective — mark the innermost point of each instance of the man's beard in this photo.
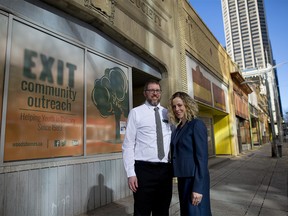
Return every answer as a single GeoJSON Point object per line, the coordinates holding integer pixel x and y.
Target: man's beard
{"type": "Point", "coordinates": [153, 103]}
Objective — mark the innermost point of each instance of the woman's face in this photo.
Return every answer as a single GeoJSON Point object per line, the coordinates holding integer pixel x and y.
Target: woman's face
{"type": "Point", "coordinates": [179, 108]}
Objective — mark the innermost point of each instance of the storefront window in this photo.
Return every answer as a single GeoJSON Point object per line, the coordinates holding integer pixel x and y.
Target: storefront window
{"type": "Point", "coordinates": [208, 122]}
{"type": "Point", "coordinates": [3, 41]}
{"type": "Point", "coordinates": [107, 104]}
{"type": "Point", "coordinates": [45, 96]}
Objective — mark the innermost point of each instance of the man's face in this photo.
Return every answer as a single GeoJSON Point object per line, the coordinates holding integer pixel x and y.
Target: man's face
{"type": "Point", "coordinates": [153, 94]}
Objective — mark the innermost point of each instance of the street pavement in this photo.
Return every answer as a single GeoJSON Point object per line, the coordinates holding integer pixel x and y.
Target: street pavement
{"type": "Point", "coordinates": [251, 184]}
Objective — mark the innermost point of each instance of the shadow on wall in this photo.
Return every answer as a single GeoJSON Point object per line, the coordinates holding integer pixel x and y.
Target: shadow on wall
{"type": "Point", "coordinates": [102, 196]}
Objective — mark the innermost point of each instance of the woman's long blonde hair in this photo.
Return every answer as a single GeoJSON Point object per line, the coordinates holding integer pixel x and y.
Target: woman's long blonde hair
{"type": "Point", "coordinates": [189, 103]}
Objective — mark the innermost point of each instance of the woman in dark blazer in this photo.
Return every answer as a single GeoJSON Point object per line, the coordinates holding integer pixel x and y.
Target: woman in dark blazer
{"type": "Point", "coordinates": [189, 156]}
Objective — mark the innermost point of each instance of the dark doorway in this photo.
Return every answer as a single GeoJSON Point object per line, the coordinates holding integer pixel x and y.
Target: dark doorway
{"type": "Point", "coordinates": [239, 134]}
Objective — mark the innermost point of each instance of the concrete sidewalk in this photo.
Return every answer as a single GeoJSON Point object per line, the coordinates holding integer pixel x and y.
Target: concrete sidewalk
{"type": "Point", "coordinates": [253, 183]}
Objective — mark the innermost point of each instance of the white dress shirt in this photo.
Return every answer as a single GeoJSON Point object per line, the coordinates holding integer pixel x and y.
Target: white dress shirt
{"type": "Point", "coordinates": [140, 142]}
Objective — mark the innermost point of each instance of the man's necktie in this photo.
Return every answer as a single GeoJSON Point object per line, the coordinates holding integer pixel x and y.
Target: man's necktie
{"type": "Point", "coordinates": [160, 147]}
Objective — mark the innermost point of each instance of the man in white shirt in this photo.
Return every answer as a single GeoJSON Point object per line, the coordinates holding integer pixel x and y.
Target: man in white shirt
{"type": "Point", "coordinates": [149, 175]}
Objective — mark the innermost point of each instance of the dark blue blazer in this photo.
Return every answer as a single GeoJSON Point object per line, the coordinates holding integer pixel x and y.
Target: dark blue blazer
{"type": "Point", "coordinates": [189, 154]}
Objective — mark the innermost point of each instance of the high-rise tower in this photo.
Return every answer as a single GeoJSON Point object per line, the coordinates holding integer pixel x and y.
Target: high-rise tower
{"type": "Point", "coordinates": [246, 33]}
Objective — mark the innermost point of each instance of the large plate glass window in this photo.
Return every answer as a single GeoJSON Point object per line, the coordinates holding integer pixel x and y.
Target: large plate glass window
{"type": "Point", "coordinates": [107, 104]}
{"type": "Point", "coordinates": [3, 42]}
{"type": "Point", "coordinates": [45, 96]}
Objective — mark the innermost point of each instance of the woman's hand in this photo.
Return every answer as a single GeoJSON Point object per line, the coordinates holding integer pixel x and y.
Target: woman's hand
{"type": "Point", "coordinates": [196, 198]}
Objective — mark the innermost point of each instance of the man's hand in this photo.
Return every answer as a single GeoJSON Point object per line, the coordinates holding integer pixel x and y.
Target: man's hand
{"type": "Point", "coordinates": [133, 183]}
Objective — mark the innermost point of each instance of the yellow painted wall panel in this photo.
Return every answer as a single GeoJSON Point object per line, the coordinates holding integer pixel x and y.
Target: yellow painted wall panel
{"type": "Point", "coordinates": [222, 135]}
